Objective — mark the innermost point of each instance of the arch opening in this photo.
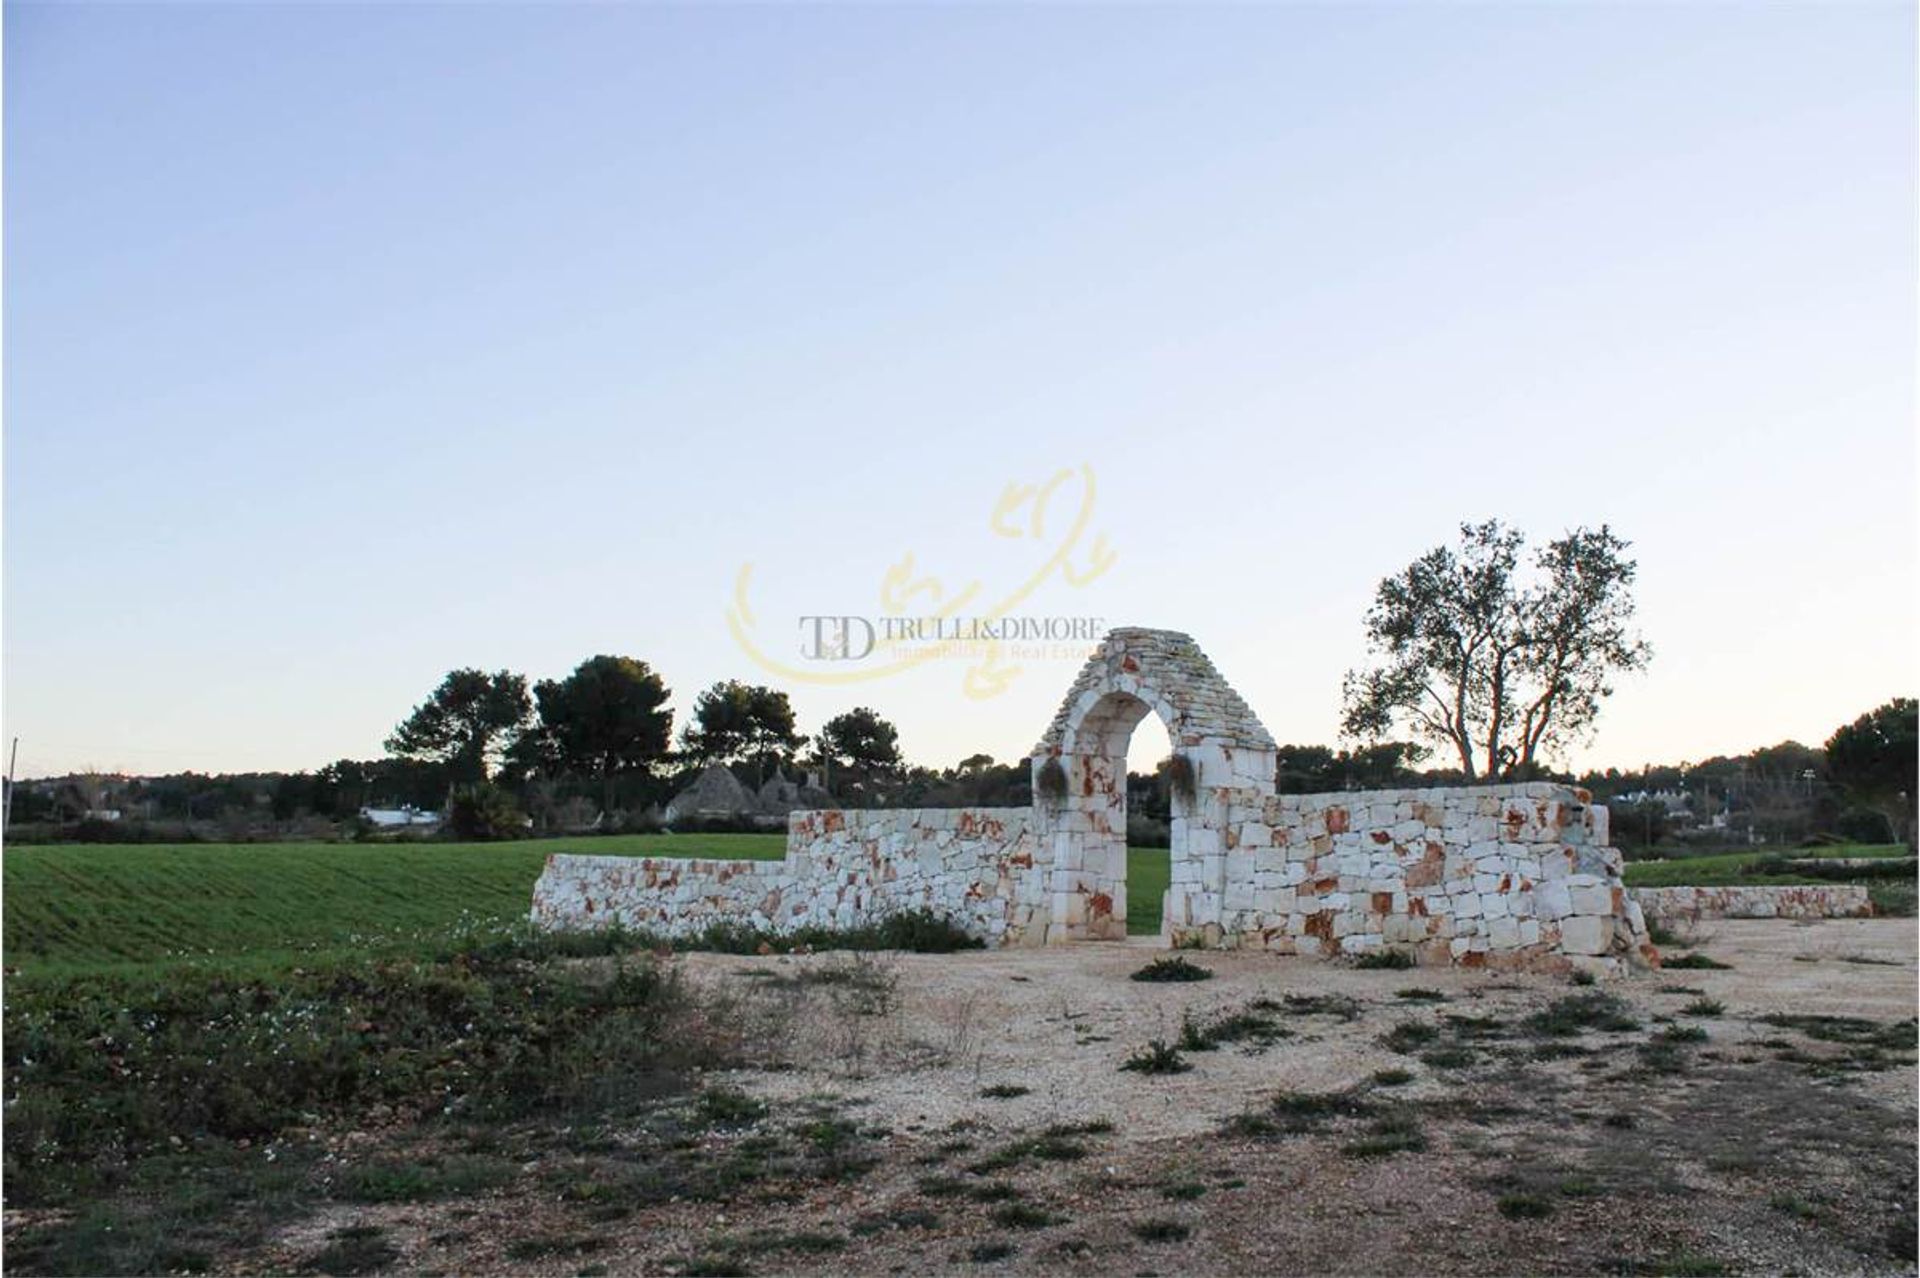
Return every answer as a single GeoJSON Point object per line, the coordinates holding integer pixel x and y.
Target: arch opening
{"type": "Point", "coordinates": [1222, 757]}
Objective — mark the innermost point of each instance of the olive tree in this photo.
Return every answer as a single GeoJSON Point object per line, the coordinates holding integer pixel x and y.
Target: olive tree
{"type": "Point", "coordinates": [1500, 663]}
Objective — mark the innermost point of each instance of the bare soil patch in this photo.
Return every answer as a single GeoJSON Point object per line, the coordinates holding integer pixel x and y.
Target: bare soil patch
{"type": "Point", "coordinates": [967, 1112]}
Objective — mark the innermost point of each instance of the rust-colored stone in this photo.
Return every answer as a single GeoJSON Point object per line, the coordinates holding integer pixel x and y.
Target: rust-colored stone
{"type": "Point", "coordinates": [1336, 820]}
{"type": "Point", "coordinates": [1099, 906]}
{"type": "Point", "coordinates": [1383, 902]}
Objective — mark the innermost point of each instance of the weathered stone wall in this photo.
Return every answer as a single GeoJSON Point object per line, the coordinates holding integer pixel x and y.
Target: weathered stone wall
{"type": "Point", "coordinates": [1501, 875]}
{"type": "Point", "coordinates": [1672, 905]}
{"type": "Point", "coordinates": [975, 865]}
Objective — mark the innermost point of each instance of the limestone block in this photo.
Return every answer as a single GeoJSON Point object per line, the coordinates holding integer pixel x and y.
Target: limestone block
{"type": "Point", "coordinates": [1585, 934]}
{"type": "Point", "coordinates": [1591, 898]}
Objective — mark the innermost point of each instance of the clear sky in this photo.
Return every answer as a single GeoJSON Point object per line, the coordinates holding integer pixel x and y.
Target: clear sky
{"type": "Point", "coordinates": [345, 345]}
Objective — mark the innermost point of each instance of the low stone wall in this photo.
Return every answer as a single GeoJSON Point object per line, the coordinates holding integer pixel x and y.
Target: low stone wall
{"type": "Point", "coordinates": [975, 865]}
{"type": "Point", "coordinates": [1513, 875]}
{"type": "Point", "coordinates": [1691, 904]}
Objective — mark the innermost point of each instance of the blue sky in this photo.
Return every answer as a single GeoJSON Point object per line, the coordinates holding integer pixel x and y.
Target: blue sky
{"type": "Point", "coordinates": [345, 345]}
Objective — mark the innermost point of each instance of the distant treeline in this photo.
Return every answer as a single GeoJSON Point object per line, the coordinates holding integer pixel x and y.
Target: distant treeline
{"type": "Point", "coordinates": [1778, 795]}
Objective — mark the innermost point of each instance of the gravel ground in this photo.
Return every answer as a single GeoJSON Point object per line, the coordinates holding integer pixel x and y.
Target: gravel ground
{"type": "Point", "coordinates": [1640, 1148]}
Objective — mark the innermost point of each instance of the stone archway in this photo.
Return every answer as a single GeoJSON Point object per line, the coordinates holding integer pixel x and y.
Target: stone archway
{"type": "Point", "coordinates": [1080, 784]}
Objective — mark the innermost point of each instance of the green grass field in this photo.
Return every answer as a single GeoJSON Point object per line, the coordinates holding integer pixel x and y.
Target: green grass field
{"type": "Point", "coordinates": [86, 907]}
{"type": "Point", "coordinates": [1726, 869]}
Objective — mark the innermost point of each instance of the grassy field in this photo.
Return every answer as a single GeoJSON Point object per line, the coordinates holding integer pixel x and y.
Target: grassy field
{"type": "Point", "coordinates": [1731, 868]}
{"type": "Point", "coordinates": [83, 907]}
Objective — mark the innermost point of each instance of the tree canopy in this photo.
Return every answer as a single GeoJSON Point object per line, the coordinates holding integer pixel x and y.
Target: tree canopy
{"type": "Point", "coordinates": [737, 722]}
{"type": "Point", "coordinates": [859, 739]}
{"type": "Point", "coordinates": [608, 717]}
{"type": "Point", "coordinates": [467, 722]}
{"type": "Point", "coordinates": [1874, 759]}
{"type": "Point", "coordinates": [1499, 670]}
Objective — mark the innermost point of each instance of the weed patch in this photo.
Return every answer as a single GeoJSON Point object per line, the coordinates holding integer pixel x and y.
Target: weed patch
{"type": "Point", "coordinates": [1579, 1012]}
{"type": "Point", "coordinates": [1157, 1057]}
{"type": "Point", "coordinates": [1175, 969]}
{"type": "Point", "coordinates": [1161, 1231]}
{"type": "Point", "coordinates": [1695, 962]}
{"type": "Point", "coordinates": [1384, 960]}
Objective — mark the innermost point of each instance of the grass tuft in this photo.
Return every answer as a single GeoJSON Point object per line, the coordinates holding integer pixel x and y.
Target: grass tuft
{"type": "Point", "coordinates": [1178, 968]}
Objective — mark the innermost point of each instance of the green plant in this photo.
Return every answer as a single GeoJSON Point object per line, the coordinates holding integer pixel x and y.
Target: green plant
{"type": "Point", "coordinates": [1449, 1057]}
{"type": "Point", "coordinates": [1577, 1012]}
{"type": "Point", "coordinates": [987, 1252]}
{"type": "Point", "coordinates": [1703, 1007]}
{"type": "Point", "coordinates": [1384, 960]}
{"type": "Point", "coordinates": [1183, 777]}
{"type": "Point", "coordinates": [1161, 1230]}
{"type": "Point", "coordinates": [1694, 963]}
{"type": "Point", "coordinates": [1023, 1216]}
{"type": "Point", "coordinates": [1174, 969]}
{"type": "Point", "coordinates": [1004, 1091]}
{"type": "Point", "coordinates": [1393, 1077]}
{"type": "Point", "coordinates": [1410, 1036]}
{"type": "Point", "coordinates": [1420, 994]}
{"type": "Point", "coordinates": [1157, 1057]}
{"type": "Point", "coordinates": [1050, 780]}
{"type": "Point", "coordinates": [1396, 1132]}
{"type": "Point", "coordinates": [1524, 1206]}
{"type": "Point", "coordinates": [730, 1107]}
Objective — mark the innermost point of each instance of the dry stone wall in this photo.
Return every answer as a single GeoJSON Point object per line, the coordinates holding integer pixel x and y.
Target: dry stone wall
{"type": "Point", "coordinates": [975, 865]}
{"type": "Point", "coordinates": [1517, 875]}
{"type": "Point", "coordinates": [1671, 905]}
{"type": "Point", "coordinates": [1513, 875]}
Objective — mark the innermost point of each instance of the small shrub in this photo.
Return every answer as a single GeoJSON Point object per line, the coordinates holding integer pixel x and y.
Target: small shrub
{"type": "Point", "coordinates": [1384, 960]}
{"type": "Point", "coordinates": [1050, 782]}
{"type": "Point", "coordinates": [987, 1252]}
{"type": "Point", "coordinates": [1004, 1091]}
{"type": "Point", "coordinates": [1347, 1009]}
{"type": "Point", "coordinates": [1023, 1216]}
{"type": "Point", "coordinates": [1893, 900]}
{"type": "Point", "coordinates": [1157, 1057]}
{"type": "Point", "coordinates": [729, 1107]}
{"type": "Point", "coordinates": [1524, 1207]}
{"type": "Point", "coordinates": [1794, 1205]}
{"type": "Point", "coordinates": [1183, 777]}
{"type": "Point", "coordinates": [1173, 969]}
{"type": "Point", "coordinates": [1448, 1058]}
{"type": "Point", "coordinates": [1395, 1133]}
{"type": "Point", "coordinates": [1410, 1036]}
{"type": "Point", "coordinates": [1703, 1007]}
{"type": "Point", "coordinates": [1393, 1077]}
{"type": "Point", "coordinates": [1695, 963]}
{"type": "Point", "coordinates": [1576, 1012]}
{"type": "Point", "coordinates": [1162, 1231]}
{"type": "Point", "coordinates": [1581, 977]}
{"type": "Point", "coordinates": [1184, 1191]}
{"type": "Point", "coordinates": [1420, 994]}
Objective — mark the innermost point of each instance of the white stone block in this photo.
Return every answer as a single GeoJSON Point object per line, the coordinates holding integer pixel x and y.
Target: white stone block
{"type": "Point", "coordinates": [1585, 934]}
